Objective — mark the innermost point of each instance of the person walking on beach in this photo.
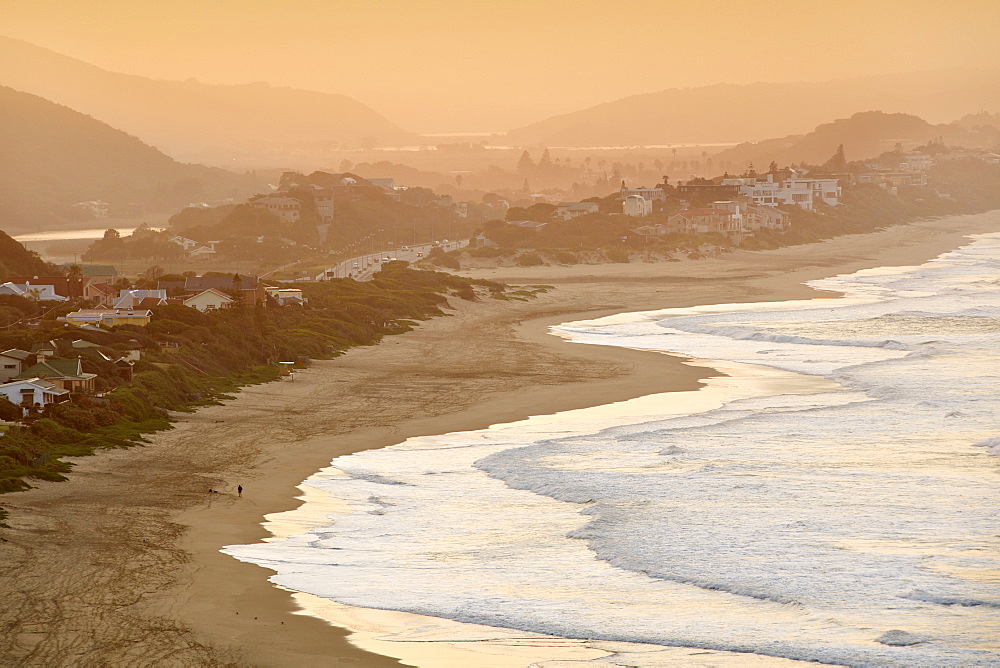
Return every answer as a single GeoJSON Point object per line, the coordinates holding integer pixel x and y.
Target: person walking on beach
{"type": "Point", "coordinates": [239, 490]}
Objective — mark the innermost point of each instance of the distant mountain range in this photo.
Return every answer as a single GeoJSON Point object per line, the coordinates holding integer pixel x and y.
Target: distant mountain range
{"type": "Point", "coordinates": [735, 113]}
{"type": "Point", "coordinates": [186, 118]}
{"type": "Point", "coordinates": [864, 135]}
{"type": "Point", "coordinates": [53, 157]}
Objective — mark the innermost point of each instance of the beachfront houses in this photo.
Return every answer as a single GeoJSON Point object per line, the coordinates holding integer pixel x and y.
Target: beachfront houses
{"type": "Point", "coordinates": [787, 187]}
{"type": "Point", "coordinates": [704, 221]}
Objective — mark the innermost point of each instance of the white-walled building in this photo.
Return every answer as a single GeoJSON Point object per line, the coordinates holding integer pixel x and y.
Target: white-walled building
{"type": "Point", "coordinates": [638, 206]}
{"type": "Point", "coordinates": [209, 300]}
{"type": "Point", "coordinates": [33, 392]}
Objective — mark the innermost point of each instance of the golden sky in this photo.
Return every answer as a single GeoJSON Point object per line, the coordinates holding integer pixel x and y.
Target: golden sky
{"type": "Point", "coordinates": [485, 65]}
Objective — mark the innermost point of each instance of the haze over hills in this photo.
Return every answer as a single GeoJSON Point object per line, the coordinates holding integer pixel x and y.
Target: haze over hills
{"type": "Point", "coordinates": [865, 135]}
{"type": "Point", "coordinates": [54, 157]}
{"type": "Point", "coordinates": [735, 113]}
{"type": "Point", "coordinates": [188, 118]}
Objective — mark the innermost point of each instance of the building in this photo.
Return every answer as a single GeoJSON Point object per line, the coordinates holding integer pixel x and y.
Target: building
{"type": "Point", "coordinates": [33, 392]}
{"type": "Point", "coordinates": [13, 362]}
{"type": "Point", "coordinates": [736, 221]}
{"type": "Point", "coordinates": [103, 294]}
{"type": "Point", "coordinates": [703, 221]}
{"type": "Point", "coordinates": [638, 206]}
{"type": "Point", "coordinates": [96, 208]}
{"type": "Point", "coordinates": [109, 317]}
{"type": "Point", "coordinates": [286, 296]}
{"type": "Point", "coordinates": [66, 374]}
{"type": "Point", "coordinates": [250, 286]}
{"type": "Point", "coordinates": [288, 209]}
{"type": "Point", "coordinates": [765, 218]}
{"type": "Point", "coordinates": [708, 191]}
{"type": "Point", "coordinates": [133, 299]}
{"type": "Point", "coordinates": [570, 210]}
{"type": "Point", "coordinates": [916, 162]}
{"type": "Point", "coordinates": [790, 187]}
{"type": "Point", "coordinates": [185, 243]}
{"type": "Point", "coordinates": [800, 190]}
{"type": "Point", "coordinates": [648, 194]}
{"type": "Point", "coordinates": [209, 300]}
{"type": "Point", "coordinates": [38, 292]}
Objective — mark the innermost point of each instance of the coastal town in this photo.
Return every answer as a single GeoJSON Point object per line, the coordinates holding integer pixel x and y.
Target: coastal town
{"type": "Point", "coordinates": [692, 218]}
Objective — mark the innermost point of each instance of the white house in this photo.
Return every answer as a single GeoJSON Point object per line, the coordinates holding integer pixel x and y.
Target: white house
{"type": "Point", "coordinates": [209, 300]}
{"type": "Point", "coordinates": [636, 205]}
{"type": "Point", "coordinates": [41, 293]}
{"type": "Point", "coordinates": [570, 210]}
{"type": "Point", "coordinates": [32, 392]}
{"type": "Point", "coordinates": [793, 191]}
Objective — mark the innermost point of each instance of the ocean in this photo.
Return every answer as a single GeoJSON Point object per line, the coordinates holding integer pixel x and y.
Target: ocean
{"type": "Point", "coordinates": [833, 498]}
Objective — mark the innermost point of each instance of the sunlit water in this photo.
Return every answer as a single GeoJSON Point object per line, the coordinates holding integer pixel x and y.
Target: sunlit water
{"type": "Point", "coordinates": [836, 501]}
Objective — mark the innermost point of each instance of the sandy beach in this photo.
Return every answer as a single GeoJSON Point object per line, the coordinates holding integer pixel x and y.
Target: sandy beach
{"type": "Point", "coordinates": [121, 565]}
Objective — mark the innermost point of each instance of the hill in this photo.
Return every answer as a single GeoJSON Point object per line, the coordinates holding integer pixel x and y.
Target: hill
{"type": "Point", "coordinates": [191, 118]}
{"type": "Point", "coordinates": [16, 260]}
{"type": "Point", "coordinates": [864, 135]}
{"type": "Point", "coordinates": [734, 113]}
{"type": "Point", "coordinates": [54, 157]}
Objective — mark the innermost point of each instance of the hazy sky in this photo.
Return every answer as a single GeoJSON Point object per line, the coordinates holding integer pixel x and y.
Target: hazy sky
{"type": "Point", "coordinates": [485, 65]}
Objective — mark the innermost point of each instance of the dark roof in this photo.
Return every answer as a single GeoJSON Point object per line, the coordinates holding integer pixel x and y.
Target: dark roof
{"type": "Point", "coordinates": [56, 368]}
{"type": "Point", "coordinates": [16, 353]}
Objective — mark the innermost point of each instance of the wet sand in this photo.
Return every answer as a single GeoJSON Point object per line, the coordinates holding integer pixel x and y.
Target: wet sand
{"type": "Point", "coordinates": [121, 564]}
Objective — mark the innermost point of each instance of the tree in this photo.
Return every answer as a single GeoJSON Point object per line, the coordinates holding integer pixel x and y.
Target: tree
{"type": "Point", "coordinates": [545, 163]}
{"type": "Point", "coordinates": [838, 163]}
{"type": "Point", "coordinates": [525, 165]}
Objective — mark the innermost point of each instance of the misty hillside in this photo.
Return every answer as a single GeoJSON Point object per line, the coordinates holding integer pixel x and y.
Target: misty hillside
{"type": "Point", "coordinates": [16, 260]}
{"type": "Point", "coordinates": [54, 157]}
{"type": "Point", "coordinates": [185, 118]}
{"type": "Point", "coordinates": [865, 135]}
{"type": "Point", "coordinates": [734, 113]}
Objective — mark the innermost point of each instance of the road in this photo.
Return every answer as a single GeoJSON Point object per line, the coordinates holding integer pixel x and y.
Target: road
{"type": "Point", "coordinates": [362, 267]}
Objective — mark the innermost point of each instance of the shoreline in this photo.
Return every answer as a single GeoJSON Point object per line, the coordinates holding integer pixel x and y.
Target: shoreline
{"type": "Point", "coordinates": [145, 535]}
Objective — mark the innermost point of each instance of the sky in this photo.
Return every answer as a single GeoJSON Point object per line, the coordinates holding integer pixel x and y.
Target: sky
{"type": "Point", "coordinates": [490, 65]}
